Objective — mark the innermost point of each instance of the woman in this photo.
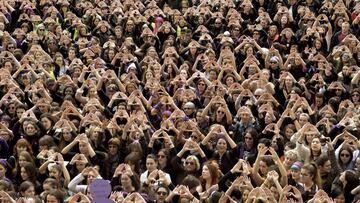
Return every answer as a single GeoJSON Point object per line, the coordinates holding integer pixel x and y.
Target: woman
{"type": "Point", "coordinates": [29, 172]}
{"type": "Point", "coordinates": [3, 170]}
{"type": "Point", "coordinates": [309, 181]}
{"type": "Point", "coordinates": [65, 137]}
{"type": "Point", "coordinates": [124, 180]}
{"type": "Point", "coordinates": [164, 157]}
{"type": "Point", "coordinates": [210, 176]}
{"type": "Point", "coordinates": [151, 165]}
{"type": "Point", "coordinates": [162, 192]}
{"type": "Point", "coordinates": [22, 145]}
{"type": "Point", "coordinates": [345, 157]}
{"type": "Point", "coordinates": [30, 130]}
{"type": "Point", "coordinates": [248, 145]}
{"type": "Point", "coordinates": [115, 156]}
{"type": "Point", "coordinates": [54, 196]}
{"type": "Point", "coordinates": [313, 151]}
{"type": "Point", "coordinates": [47, 122]}
{"type": "Point", "coordinates": [294, 178]}
{"type": "Point", "coordinates": [27, 190]}
{"type": "Point", "coordinates": [90, 174]}
{"type": "Point", "coordinates": [289, 131]}
{"type": "Point", "coordinates": [97, 137]}
{"type": "Point", "coordinates": [220, 151]}
{"type": "Point", "coordinates": [348, 180]}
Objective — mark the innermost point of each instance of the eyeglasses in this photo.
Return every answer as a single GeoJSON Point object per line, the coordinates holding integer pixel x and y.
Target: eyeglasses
{"type": "Point", "coordinates": [189, 163]}
{"type": "Point", "coordinates": [345, 155]}
{"type": "Point", "coordinates": [162, 193]}
{"type": "Point", "coordinates": [194, 137]}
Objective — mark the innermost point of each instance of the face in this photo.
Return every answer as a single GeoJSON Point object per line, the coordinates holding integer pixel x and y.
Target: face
{"type": "Point", "coordinates": [303, 120]}
{"type": "Point", "coordinates": [19, 112]}
{"type": "Point", "coordinates": [30, 129]}
{"type": "Point", "coordinates": [288, 81]}
{"type": "Point", "coordinates": [83, 148]}
{"type": "Point", "coordinates": [23, 174]}
{"type": "Point", "coordinates": [125, 181]}
{"type": "Point", "coordinates": [4, 135]}
{"type": "Point", "coordinates": [212, 75]}
{"type": "Point", "coordinates": [30, 192]}
{"type": "Point", "coordinates": [288, 133]}
{"type": "Point", "coordinates": [316, 144]}
{"type": "Point", "coordinates": [51, 199]}
{"type": "Point", "coordinates": [91, 177]}
{"type": "Point", "coordinates": [162, 158]}
{"type": "Point", "coordinates": [345, 27]}
{"type": "Point", "coordinates": [2, 171]}
{"type": "Point", "coordinates": [342, 178]}
{"type": "Point", "coordinates": [263, 167]}
{"type": "Point", "coordinates": [295, 174]}
{"type": "Point", "coordinates": [289, 161]}
{"type": "Point", "coordinates": [355, 96]}
{"type": "Point", "coordinates": [161, 194]}
{"type": "Point", "coordinates": [54, 173]}
{"type": "Point", "coordinates": [190, 165]}
{"type": "Point", "coordinates": [340, 199]}
{"type": "Point", "coordinates": [22, 161]}
{"type": "Point", "coordinates": [305, 176]}
{"type": "Point", "coordinates": [221, 145]}
{"type": "Point", "coordinates": [345, 156]}
{"type": "Point", "coordinates": [183, 73]}
{"type": "Point", "coordinates": [268, 118]}
{"type": "Point", "coordinates": [46, 123]}
{"type": "Point", "coordinates": [151, 165]}
{"type": "Point", "coordinates": [249, 141]}
{"type": "Point", "coordinates": [229, 81]}
{"type": "Point", "coordinates": [206, 172]}
{"type": "Point", "coordinates": [201, 86]}
{"type": "Point", "coordinates": [326, 168]}
{"type": "Point", "coordinates": [20, 148]}
{"type": "Point", "coordinates": [113, 149]}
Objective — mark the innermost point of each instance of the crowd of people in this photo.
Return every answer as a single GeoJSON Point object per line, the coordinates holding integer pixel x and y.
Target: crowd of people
{"type": "Point", "coordinates": [180, 100]}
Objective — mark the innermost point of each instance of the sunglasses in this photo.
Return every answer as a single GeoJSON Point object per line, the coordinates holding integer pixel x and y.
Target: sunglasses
{"type": "Point", "coordinates": [162, 193]}
{"type": "Point", "coordinates": [193, 137]}
{"type": "Point", "coordinates": [345, 155]}
{"type": "Point", "coordinates": [189, 163]}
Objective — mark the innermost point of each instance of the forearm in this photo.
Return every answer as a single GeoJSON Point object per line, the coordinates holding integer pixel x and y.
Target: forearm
{"type": "Point", "coordinates": [68, 148]}
{"type": "Point", "coordinates": [66, 175]}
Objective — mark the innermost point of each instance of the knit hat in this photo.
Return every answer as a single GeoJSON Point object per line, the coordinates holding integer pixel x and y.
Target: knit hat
{"type": "Point", "coordinates": [297, 165]}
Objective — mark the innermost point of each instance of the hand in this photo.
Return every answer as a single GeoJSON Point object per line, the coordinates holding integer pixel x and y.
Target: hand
{"type": "Point", "coordinates": [237, 167]}
{"type": "Point", "coordinates": [274, 155]}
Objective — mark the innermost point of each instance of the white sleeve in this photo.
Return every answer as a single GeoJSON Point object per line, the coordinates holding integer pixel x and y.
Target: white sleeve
{"type": "Point", "coordinates": [74, 184]}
